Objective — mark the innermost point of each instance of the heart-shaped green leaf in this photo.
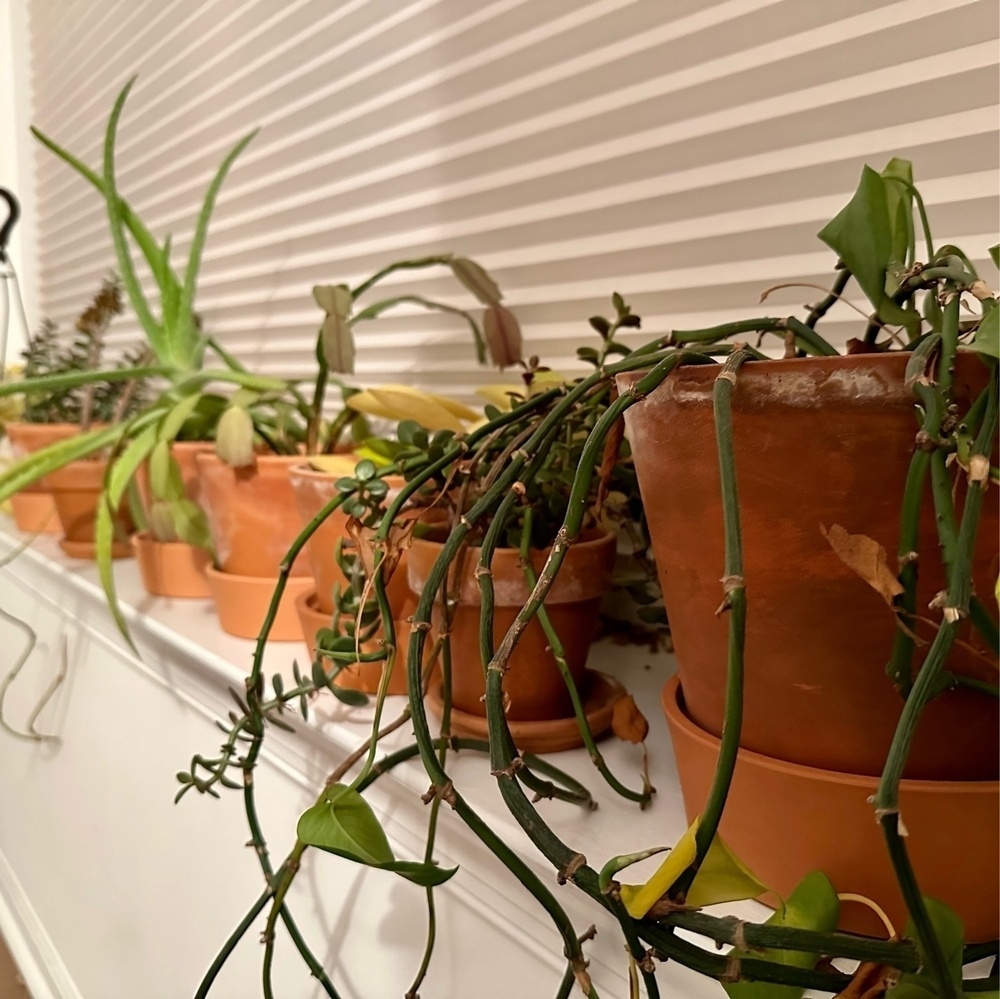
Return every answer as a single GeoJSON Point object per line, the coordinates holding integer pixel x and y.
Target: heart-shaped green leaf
{"type": "Point", "coordinates": [344, 824]}
{"type": "Point", "coordinates": [862, 235]}
{"type": "Point", "coordinates": [987, 340]}
{"type": "Point", "coordinates": [812, 905]}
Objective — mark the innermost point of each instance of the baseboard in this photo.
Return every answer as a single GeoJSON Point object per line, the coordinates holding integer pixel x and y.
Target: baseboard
{"type": "Point", "coordinates": [44, 973]}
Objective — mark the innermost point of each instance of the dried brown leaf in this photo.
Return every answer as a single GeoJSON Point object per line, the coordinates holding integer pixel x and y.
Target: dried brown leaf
{"type": "Point", "coordinates": [870, 981]}
{"type": "Point", "coordinates": [867, 558]}
{"type": "Point", "coordinates": [627, 721]}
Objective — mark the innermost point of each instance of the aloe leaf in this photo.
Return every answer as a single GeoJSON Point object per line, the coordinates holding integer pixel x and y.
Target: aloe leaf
{"type": "Point", "coordinates": [39, 464]}
{"type": "Point", "coordinates": [73, 379]}
{"type": "Point", "coordinates": [175, 419]}
{"type": "Point", "coordinates": [143, 237]}
{"type": "Point", "coordinates": [200, 234]}
{"type": "Point", "coordinates": [120, 473]}
{"type": "Point", "coordinates": [154, 331]}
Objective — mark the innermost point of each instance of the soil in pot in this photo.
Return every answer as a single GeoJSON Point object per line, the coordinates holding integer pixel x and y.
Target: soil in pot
{"type": "Point", "coordinates": [784, 820]}
{"type": "Point", "coordinates": [819, 442]}
{"type": "Point", "coordinates": [533, 683]}
{"type": "Point", "coordinates": [76, 489]}
{"type": "Point", "coordinates": [34, 508]}
{"type": "Point", "coordinates": [251, 513]}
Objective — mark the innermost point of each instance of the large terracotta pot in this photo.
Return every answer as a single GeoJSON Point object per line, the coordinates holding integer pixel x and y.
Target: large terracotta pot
{"type": "Point", "coordinates": [76, 489]}
{"type": "Point", "coordinates": [533, 683]}
{"type": "Point", "coordinates": [251, 514]}
{"type": "Point", "coordinates": [818, 442]}
{"type": "Point", "coordinates": [784, 820]}
{"type": "Point", "coordinates": [242, 603]}
{"type": "Point", "coordinates": [34, 507]}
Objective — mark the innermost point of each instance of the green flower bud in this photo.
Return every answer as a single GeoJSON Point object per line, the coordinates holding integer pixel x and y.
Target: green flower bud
{"type": "Point", "coordinates": [336, 336]}
{"type": "Point", "coordinates": [234, 437]}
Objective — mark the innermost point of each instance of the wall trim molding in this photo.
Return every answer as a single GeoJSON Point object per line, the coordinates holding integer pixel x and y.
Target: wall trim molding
{"type": "Point", "coordinates": [36, 956]}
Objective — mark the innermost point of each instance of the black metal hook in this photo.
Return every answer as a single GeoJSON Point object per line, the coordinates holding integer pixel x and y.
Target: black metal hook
{"type": "Point", "coordinates": [13, 214]}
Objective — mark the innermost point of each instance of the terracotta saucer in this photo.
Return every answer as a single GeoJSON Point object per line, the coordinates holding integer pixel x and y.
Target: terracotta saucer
{"type": "Point", "coordinates": [88, 550]}
{"type": "Point", "coordinates": [551, 736]}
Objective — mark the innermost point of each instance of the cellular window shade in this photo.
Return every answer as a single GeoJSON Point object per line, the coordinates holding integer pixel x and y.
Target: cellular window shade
{"type": "Point", "coordinates": [683, 154]}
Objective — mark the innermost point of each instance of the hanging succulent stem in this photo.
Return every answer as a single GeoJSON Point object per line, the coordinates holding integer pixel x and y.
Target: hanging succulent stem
{"type": "Point", "coordinates": [955, 607]}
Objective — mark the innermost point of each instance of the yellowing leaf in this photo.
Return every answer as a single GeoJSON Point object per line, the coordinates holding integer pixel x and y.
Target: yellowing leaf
{"type": "Point", "coordinates": [867, 558]}
{"type": "Point", "coordinates": [721, 878]}
{"type": "Point", "coordinates": [400, 402]}
{"type": "Point", "coordinates": [334, 464]}
{"type": "Point", "coordinates": [500, 395]}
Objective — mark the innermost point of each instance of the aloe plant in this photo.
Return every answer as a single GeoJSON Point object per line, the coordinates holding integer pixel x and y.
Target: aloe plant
{"type": "Point", "coordinates": [178, 348]}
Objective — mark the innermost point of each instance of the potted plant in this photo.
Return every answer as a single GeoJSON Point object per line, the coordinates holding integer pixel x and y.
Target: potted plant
{"type": "Point", "coordinates": [69, 496]}
{"type": "Point", "coordinates": [177, 347]}
{"type": "Point", "coordinates": [249, 496]}
{"type": "Point", "coordinates": [924, 957]}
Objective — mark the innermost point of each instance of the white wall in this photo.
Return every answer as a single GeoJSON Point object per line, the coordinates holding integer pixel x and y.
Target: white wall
{"type": "Point", "coordinates": [16, 162]}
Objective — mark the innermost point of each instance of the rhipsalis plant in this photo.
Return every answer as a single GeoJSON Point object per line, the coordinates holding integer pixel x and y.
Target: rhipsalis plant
{"type": "Point", "coordinates": [534, 474]}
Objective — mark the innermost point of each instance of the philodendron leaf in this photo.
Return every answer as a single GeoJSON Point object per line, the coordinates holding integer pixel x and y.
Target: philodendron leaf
{"type": "Point", "coordinates": [995, 255]}
{"type": "Point", "coordinates": [812, 905]}
{"type": "Point", "coordinates": [344, 823]}
{"type": "Point", "coordinates": [862, 235]}
{"type": "Point", "coordinates": [722, 877]}
{"type": "Point", "coordinates": [950, 934]}
{"type": "Point", "coordinates": [899, 202]}
{"type": "Point", "coordinates": [987, 339]}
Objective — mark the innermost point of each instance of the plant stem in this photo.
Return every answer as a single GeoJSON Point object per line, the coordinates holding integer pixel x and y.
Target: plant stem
{"type": "Point", "coordinates": [819, 310]}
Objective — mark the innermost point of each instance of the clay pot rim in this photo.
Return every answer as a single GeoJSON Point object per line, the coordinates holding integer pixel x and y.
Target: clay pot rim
{"type": "Point", "coordinates": [292, 582]}
{"type": "Point", "coordinates": [209, 457]}
{"type": "Point", "coordinates": [145, 538]}
{"type": "Point", "coordinates": [671, 700]}
{"type": "Point", "coordinates": [599, 539]}
{"type": "Point", "coordinates": [76, 475]}
{"type": "Point", "coordinates": [306, 600]}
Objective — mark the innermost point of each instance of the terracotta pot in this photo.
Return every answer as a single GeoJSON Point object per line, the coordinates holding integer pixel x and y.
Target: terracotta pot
{"type": "Point", "coordinates": [76, 489]}
{"type": "Point", "coordinates": [313, 490]}
{"type": "Point", "coordinates": [251, 513]}
{"type": "Point", "coordinates": [34, 508]}
{"type": "Point", "coordinates": [171, 568]}
{"type": "Point", "coordinates": [242, 603]}
{"type": "Point", "coordinates": [818, 442]}
{"type": "Point", "coordinates": [533, 682]}
{"type": "Point", "coordinates": [363, 676]}
{"type": "Point", "coordinates": [785, 820]}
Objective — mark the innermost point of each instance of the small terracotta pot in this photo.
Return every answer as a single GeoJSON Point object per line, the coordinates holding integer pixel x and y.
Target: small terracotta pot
{"type": "Point", "coordinates": [251, 513]}
{"type": "Point", "coordinates": [171, 568]}
{"type": "Point", "coordinates": [818, 442]}
{"type": "Point", "coordinates": [34, 508]}
{"type": "Point", "coordinates": [242, 603]}
{"type": "Point", "coordinates": [313, 490]}
{"type": "Point", "coordinates": [363, 676]}
{"type": "Point", "coordinates": [76, 489]}
{"type": "Point", "coordinates": [533, 683]}
{"type": "Point", "coordinates": [784, 820]}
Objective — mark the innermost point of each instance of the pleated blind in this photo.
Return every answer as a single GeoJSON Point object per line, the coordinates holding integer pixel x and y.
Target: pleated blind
{"type": "Point", "coordinates": [683, 153]}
